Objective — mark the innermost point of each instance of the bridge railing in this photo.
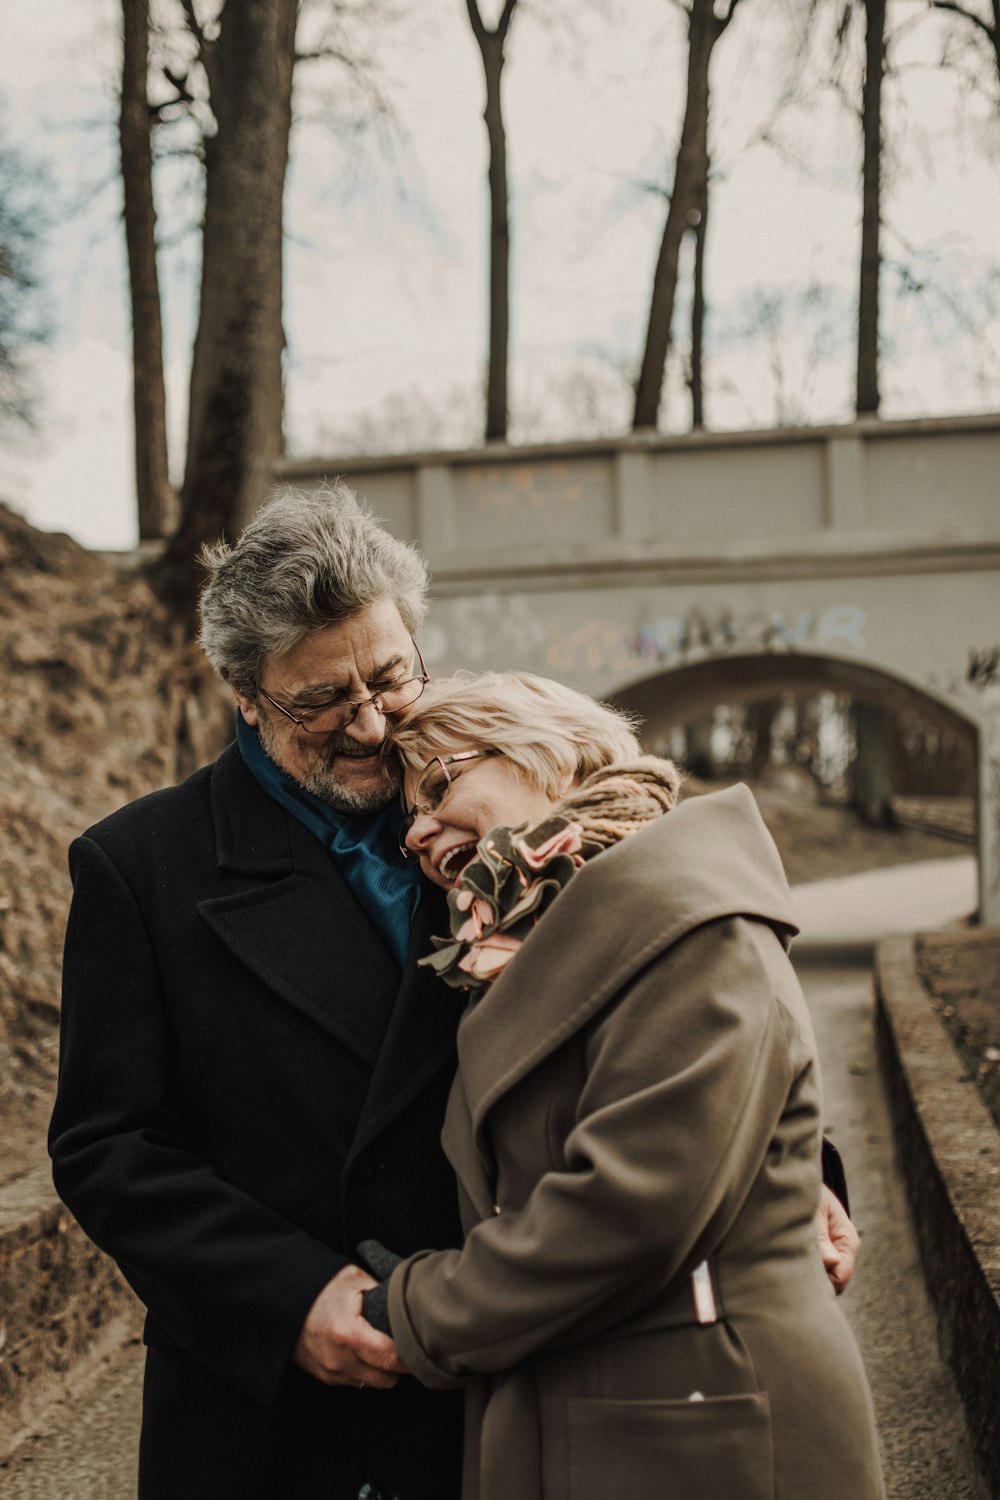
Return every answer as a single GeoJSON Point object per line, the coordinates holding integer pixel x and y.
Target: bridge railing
{"type": "Point", "coordinates": [747, 498]}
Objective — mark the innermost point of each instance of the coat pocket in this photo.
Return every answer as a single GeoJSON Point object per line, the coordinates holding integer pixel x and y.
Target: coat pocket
{"type": "Point", "coordinates": [714, 1449]}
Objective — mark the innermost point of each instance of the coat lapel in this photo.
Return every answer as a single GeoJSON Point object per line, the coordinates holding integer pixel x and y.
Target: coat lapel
{"type": "Point", "coordinates": [291, 918]}
{"type": "Point", "coordinates": [421, 1033]}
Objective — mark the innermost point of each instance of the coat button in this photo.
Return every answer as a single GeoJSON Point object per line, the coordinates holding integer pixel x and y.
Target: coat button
{"type": "Point", "coordinates": [496, 1208]}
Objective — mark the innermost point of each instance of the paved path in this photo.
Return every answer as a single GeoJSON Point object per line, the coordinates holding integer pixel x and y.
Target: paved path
{"type": "Point", "coordinates": [86, 1449]}
{"type": "Point", "coordinates": [925, 1447]}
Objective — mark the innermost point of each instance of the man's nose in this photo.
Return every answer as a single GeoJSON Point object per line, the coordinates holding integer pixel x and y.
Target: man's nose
{"type": "Point", "coordinates": [368, 725]}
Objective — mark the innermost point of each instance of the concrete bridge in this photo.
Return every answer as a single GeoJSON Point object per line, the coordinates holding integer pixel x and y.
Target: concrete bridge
{"type": "Point", "coordinates": [673, 573]}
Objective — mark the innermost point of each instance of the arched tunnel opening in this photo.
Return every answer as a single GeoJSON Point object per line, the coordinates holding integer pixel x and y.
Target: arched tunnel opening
{"type": "Point", "coordinates": [867, 748]}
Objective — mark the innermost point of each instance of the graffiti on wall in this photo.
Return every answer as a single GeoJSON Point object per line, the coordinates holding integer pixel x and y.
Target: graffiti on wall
{"type": "Point", "coordinates": [487, 629]}
{"type": "Point", "coordinates": [984, 667]}
{"type": "Point", "coordinates": [497, 627]}
{"type": "Point", "coordinates": [680, 638]}
{"type": "Point", "coordinates": [507, 488]}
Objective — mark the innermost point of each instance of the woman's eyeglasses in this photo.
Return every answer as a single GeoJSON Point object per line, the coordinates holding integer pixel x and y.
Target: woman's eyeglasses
{"type": "Point", "coordinates": [433, 786]}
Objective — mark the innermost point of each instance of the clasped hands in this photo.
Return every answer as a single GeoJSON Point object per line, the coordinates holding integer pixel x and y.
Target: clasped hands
{"type": "Point", "coordinates": [339, 1346]}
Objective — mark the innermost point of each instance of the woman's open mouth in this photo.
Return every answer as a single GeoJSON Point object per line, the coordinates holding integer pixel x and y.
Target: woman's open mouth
{"type": "Point", "coordinates": [455, 861]}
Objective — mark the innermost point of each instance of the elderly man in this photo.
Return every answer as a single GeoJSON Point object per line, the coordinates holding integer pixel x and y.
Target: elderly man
{"type": "Point", "coordinates": [254, 1071]}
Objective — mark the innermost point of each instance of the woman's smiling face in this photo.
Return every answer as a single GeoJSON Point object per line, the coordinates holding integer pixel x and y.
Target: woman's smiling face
{"type": "Point", "coordinates": [484, 793]}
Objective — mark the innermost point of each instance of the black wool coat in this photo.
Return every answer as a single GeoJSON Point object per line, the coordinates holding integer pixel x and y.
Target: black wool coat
{"type": "Point", "coordinates": [249, 1087]}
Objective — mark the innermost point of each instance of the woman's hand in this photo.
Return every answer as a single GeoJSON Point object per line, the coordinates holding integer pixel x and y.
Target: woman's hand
{"type": "Point", "coordinates": [838, 1240]}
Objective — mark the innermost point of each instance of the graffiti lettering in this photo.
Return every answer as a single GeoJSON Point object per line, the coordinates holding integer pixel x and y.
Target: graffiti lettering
{"type": "Point", "coordinates": [677, 638]}
{"type": "Point", "coordinates": [596, 646]}
{"type": "Point", "coordinates": [984, 667]}
{"type": "Point", "coordinates": [497, 623]}
{"type": "Point", "coordinates": [844, 622]}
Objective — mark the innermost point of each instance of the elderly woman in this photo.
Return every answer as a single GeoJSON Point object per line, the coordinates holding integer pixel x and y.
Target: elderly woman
{"type": "Point", "coordinates": [639, 1308]}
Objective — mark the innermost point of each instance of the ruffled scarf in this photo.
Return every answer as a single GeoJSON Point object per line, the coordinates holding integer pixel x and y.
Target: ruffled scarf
{"type": "Point", "coordinates": [517, 873]}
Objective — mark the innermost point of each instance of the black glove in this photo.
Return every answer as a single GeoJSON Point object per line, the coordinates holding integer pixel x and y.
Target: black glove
{"type": "Point", "coordinates": [834, 1175]}
{"type": "Point", "coordinates": [381, 1263]}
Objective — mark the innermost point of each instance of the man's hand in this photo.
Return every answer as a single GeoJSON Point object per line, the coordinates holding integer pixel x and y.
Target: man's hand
{"type": "Point", "coordinates": [838, 1240]}
{"type": "Point", "coordinates": [337, 1346]}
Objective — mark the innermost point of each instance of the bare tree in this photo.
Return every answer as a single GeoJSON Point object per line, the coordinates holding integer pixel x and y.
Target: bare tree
{"type": "Point", "coordinates": [990, 29]}
{"type": "Point", "coordinates": [492, 46]}
{"type": "Point", "coordinates": [697, 372]}
{"type": "Point", "coordinates": [235, 408]}
{"type": "Point", "coordinates": [687, 198]}
{"type": "Point", "coordinates": [867, 389]}
{"type": "Point", "coordinates": [23, 319]}
{"type": "Point", "coordinates": [157, 502]}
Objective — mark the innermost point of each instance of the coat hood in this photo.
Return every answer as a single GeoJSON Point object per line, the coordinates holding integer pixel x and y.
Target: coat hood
{"type": "Point", "coordinates": [710, 857]}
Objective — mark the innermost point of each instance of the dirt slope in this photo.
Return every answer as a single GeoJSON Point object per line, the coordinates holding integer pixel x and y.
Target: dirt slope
{"type": "Point", "coordinates": [101, 702]}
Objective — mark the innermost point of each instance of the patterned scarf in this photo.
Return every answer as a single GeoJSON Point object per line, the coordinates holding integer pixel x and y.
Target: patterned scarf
{"type": "Point", "coordinates": [518, 872]}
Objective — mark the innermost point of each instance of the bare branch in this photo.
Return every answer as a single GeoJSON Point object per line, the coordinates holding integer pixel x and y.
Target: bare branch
{"type": "Point", "coordinates": [506, 16]}
{"type": "Point", "coordinates": [324, 54]}
{"type": "Point", "coordinates": [206, 47]}
{"type": "Point", "coordinates": [968, 15]}
{"type": "Point", "coordinates": [723, 21]}
{"type": "Point", "coordinates": [194, 25]}
{"type": "Point", "coordinates": [178, 82]}
{"type": "Point", "coordinates": [476, 21]}
{"type": "Point", "coordinates": [479, 27]}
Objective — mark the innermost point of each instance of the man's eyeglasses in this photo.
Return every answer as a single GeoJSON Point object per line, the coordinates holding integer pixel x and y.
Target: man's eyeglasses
{"type": "Point", "coordinates": [433, 785]}
{"type": "Point", "coordinates": [385, 697]}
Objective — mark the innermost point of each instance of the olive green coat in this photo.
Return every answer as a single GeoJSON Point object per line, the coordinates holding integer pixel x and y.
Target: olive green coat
{"type": "Point", "coordinates": [637, 1093]}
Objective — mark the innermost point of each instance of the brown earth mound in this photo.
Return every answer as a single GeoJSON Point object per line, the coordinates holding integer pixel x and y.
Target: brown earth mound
{"type": "Point", "coordinates": [102, 701]}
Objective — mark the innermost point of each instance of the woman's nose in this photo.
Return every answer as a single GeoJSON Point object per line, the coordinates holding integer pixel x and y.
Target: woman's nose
{"type": "Point", "coordinates": [421, 832]}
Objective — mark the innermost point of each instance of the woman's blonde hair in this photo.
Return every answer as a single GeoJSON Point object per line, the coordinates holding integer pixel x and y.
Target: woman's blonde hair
{"type": "Point", "coordinates": [543, 728]}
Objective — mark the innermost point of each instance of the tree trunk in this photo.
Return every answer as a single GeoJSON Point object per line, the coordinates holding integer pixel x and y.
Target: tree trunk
{"type": "Point", "coordinates": [690, 171]}
{"type": "Point", "coordinates": [699, 757]}
{"type": "Point", "coordinates": [760, 716]}
{"type": "Point", "coordinates": [157, 503]}
{"type": "Point", "coordinates": [872, 771]}
{"type": "Point", "coordinates": [491, 46]}
{"type": "Point", "coordinates": [698, 311]}
{"type": "Point", "coordinates": [235, 413]}
{"type": "Point", "coordinates": [868, 301]}
{"type": "Point", "coordinates": [496, 379]}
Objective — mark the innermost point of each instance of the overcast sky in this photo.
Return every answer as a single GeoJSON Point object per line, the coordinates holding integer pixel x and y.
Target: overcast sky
{"type": "Point", "coordinates": [386, 265]}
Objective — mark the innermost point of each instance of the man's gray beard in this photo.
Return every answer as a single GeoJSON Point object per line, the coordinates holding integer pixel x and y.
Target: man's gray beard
{"type": "Point", "coordinates": [324, 786]}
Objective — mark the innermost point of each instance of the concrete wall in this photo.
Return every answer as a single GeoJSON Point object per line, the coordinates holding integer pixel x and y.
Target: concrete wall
{"type": "Point", "coordinates": [612, 564]}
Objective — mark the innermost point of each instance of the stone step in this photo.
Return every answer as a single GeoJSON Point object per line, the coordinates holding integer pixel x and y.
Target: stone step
{"type": "Point", "coordinates": [952, 817]}
{"type": "Point", "coordinates": [63, 1305]}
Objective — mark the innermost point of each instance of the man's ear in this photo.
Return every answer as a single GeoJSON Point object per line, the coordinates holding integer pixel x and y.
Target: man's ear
{"type": "Point", "coordinates": [247, 706]}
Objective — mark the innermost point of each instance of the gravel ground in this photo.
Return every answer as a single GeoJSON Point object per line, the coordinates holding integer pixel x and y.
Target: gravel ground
{"type": "Point", "coordinates": [86, 1449]}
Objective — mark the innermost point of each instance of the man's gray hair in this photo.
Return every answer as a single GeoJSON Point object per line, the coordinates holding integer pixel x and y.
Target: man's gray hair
{"type": "Point", "coordinates": [307, 559]}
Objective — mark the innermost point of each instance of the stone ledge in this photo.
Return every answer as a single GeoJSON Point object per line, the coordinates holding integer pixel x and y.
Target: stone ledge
{"type": "Point", "coordinates": [949, 1152]}
{"type": "Point", "coordinates": [63, 1305]}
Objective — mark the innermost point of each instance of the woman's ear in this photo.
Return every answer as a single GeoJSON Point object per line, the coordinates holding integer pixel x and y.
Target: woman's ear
{"type": "Point", "coordinates": [566, 781]}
